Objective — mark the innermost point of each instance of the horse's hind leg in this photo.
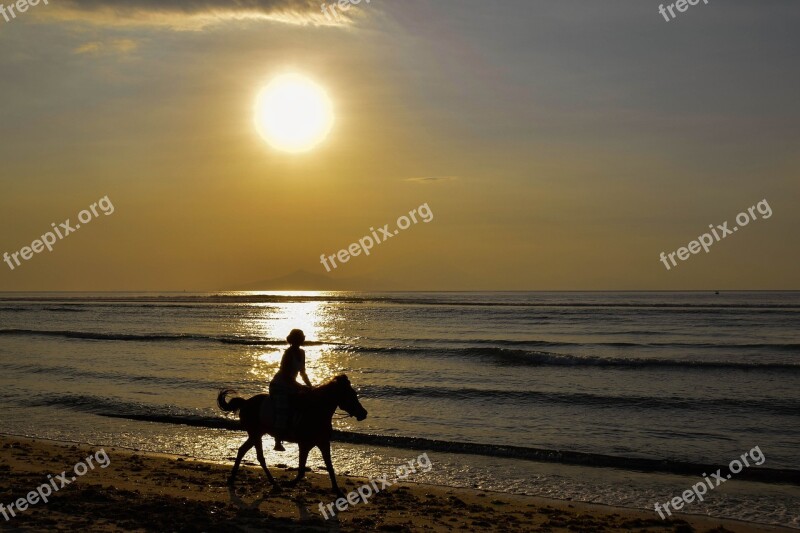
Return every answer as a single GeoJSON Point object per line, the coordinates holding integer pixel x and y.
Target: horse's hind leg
{"type": "Point", "coordinates": [263, 462]}
{"type": "Point", "coordinates": [243, 449]}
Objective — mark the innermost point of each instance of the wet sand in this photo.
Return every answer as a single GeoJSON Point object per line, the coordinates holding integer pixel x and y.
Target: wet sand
{"type": "Point", "coordinates": [153, 492]}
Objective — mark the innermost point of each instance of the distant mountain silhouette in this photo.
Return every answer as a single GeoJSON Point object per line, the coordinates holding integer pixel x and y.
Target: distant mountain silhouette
{"type": "Point", "coordinates": [301, 280]}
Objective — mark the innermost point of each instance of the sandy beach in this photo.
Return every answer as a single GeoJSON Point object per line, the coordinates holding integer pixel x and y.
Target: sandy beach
{"type": "Point", "coordinates": [153, 492]}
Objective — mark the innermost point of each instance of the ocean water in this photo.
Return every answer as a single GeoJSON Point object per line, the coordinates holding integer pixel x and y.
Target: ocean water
{"type": "Point", "coordinates": [618, 398]}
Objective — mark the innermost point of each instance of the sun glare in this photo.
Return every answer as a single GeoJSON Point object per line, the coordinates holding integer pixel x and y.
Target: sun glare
{"type": "Point", "coordinates": [293, 113]}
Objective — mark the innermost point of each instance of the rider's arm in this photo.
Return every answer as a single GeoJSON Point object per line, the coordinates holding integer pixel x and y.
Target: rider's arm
{"type": "Point", "coordinates": [302, 363]}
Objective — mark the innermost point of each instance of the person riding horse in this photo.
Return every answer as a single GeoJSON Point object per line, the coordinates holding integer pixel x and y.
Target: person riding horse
{"type": "Point", "coordinates": [284, 386]}
{"type": "Point", "coordinates": [314, 429]}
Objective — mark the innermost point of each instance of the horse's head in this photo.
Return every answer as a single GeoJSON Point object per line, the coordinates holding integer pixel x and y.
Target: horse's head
{"type": "Point", "coordinates": [348, 399]}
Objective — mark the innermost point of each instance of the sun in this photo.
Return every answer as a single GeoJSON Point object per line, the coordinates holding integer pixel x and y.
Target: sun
{"type": "Point", "coordinates": [293, 113]}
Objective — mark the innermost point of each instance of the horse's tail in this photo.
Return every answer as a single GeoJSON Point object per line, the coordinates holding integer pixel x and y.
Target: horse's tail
{"type": "Point", "coordinates": [231, 406]}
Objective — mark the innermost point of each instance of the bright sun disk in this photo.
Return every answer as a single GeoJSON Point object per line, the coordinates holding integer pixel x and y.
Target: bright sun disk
{"type": "Point", "coordinates": [293, 113]}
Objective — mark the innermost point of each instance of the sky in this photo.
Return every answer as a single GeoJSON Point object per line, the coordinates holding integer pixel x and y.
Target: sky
{"type": "Point", "coordinates": [558, 145]}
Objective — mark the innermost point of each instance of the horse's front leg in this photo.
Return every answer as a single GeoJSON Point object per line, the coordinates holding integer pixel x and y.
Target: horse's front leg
{"type": "Point", "coordinates": [263, 462]}
{"type": "Point", "coordinates": [301, 465]}
{"type": "Point", "coordinates": [325, 448]}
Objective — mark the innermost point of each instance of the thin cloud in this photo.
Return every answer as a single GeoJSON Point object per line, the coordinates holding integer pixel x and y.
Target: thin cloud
{"type": "Point", "coordinates": [117, 46]}
{"type": "Point", "coordinates": [431, 179]}
{"type": "Point", "coordinates": [190, 14]}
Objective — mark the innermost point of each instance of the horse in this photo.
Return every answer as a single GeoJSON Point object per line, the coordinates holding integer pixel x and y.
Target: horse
{"type": "Point", "coordinates": [314, 429]}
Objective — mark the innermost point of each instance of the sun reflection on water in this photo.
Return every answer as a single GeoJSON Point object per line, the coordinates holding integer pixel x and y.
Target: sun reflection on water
{"type": "Point", "coordinates": [273, 321]}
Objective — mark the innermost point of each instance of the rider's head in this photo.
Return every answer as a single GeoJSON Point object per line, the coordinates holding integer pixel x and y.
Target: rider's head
{"type": "Point", "coordinates": [296, 337]}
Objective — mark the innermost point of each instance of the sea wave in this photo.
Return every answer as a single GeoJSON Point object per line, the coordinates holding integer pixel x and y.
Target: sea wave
{"type": "Point", "coordinates": [113, 376]}
{"type": "Point", "coordinates": [773, 406]}
{"type": "Point", "coordinates": [154, 337]}
{"type": "Point", "coordinates": [512, 357]}
{"type": "Point", "coordinates": [490, 354]}
{"type": "Point", "coordinates": [780, 406]}
{"type": "Point", "coordinates": [786, 346]}
{"type": "Point", "coordinates": [791, 347]}
{"type": "Point", "coordinates": [205, 418]}
{"type": "Point", "coordinates": [389, 298]}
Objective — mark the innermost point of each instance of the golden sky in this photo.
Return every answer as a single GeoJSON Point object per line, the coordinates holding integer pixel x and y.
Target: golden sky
{"type": "Point", "coordinates": [559, 145]}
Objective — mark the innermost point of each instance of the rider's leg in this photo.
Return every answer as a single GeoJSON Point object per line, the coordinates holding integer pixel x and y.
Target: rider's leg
{"type": "Point", "coordinates": [279, 432]}
{"type": "Point", "coordinates": [281, 419]}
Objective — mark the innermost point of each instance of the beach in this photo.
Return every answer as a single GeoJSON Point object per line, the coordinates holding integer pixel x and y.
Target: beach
{"type": "Point", "coordinates": [158, 492]}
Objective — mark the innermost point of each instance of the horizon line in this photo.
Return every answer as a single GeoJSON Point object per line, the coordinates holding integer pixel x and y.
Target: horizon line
{"type": "Point", "coordinates": [398, 291]}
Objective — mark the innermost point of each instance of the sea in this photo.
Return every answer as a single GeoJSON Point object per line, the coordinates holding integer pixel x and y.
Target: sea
{"type": "Point", "coordinates": [618, 398]}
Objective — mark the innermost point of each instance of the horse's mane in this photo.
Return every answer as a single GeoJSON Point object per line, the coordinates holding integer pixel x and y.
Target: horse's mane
{"type": "Point", "coordinates": [329, 388]}
{"type": "Point", "coordinates": [333, 382]}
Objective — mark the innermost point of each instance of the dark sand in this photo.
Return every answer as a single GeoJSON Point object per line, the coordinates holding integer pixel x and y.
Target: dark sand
{"type": "Point", "coordinates": [151, 492]}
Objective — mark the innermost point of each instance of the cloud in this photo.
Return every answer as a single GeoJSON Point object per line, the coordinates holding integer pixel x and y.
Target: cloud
{"type": "Point", "coordinates": [190, 14]}
{"type": "Point", "coordinates": [116, 46]}
{"type": "Point", "coordinates": [431, 179]}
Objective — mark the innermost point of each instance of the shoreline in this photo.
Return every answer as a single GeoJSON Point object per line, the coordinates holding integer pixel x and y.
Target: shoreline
{"type": "Point", "coordinates": [157, 491]}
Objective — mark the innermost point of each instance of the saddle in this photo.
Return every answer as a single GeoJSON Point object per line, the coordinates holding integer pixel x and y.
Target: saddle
{"type": "Point", "coordinates": [284, 417]}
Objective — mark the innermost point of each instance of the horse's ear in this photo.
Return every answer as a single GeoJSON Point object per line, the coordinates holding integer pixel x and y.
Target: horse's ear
{"type": "Point", "coordinates": [342, 378]}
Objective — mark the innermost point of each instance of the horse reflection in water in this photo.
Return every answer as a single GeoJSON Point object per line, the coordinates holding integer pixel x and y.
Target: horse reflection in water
{"type": "Point", "coordinates": [314, 409]}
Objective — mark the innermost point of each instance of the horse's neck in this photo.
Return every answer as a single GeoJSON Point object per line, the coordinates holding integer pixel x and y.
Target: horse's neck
{"type": "Point", "coordinates": [327, 395]}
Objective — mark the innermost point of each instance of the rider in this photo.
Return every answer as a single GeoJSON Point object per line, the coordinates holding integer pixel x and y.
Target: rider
{"type": "Point", "coordinates": [284, 385]}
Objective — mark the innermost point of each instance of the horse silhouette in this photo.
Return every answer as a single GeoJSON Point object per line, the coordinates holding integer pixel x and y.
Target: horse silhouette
{"type": "Point", "coordinates": [314, 409]}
